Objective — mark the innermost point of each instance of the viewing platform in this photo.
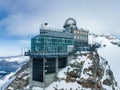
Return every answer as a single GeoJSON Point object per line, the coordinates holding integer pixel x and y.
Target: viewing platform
{"type": "Point", "coordinates": [46, 54]}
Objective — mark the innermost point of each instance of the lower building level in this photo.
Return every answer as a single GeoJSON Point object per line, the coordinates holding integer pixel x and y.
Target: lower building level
{"type": "Point", "coordinates": [43, 70]}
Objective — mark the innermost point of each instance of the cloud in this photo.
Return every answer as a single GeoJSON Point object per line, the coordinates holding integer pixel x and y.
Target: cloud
{"type": "Point", "coordinates": [9, 48]}
{"type": "Point", "coordinates": [21, 25]}
{"type": "Point", "coordinates": [22, 18]}
{"type": "Point", "coordinates": [25, 16]}
{"type": "Point", "coordinates": [16, 6]}
{"type": "Point", "coordinates": [9, 51]}
{"type": "Point", "coordinates": [25, 43]}
{"type": "Point", "coordinates": [14, 47]}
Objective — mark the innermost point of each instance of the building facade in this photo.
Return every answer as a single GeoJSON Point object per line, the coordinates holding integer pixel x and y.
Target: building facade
{"type": "Point", "coordinates": [80, 35]}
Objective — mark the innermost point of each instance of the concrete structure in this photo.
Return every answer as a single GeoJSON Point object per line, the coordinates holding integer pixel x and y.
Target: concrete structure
{"type": "Point", "coordinates": [80, 35]}
{"type": "Point", "coordinates": [51, 51]}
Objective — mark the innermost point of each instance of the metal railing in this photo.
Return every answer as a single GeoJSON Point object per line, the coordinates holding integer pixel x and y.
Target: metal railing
{"type": "Point", "coordinates": [51, 29]}
{"type": "Point", "coordinates": [45, 54]}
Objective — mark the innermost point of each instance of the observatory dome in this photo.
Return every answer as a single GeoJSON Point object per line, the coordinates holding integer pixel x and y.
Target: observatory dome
{"type": "Point", "coordinates": [69, 22]}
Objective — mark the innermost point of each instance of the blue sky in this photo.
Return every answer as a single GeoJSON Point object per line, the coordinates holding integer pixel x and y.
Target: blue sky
{"type": "Point", "coordinates": [21, 19]}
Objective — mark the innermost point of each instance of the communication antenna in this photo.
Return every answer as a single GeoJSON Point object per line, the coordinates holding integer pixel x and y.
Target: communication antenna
{"type": "Point", "coordinates": [24, 49]}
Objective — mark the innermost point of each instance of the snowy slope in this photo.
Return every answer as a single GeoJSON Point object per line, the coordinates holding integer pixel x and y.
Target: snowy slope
{"type": "Point", "coordinates": [112, 54]}
{"type": "Point", "coordinates": [6, 81]}
{"type": "Point", "coordinates": [15, 62]}
{"type": "Point", "coordinates": [62, 85]}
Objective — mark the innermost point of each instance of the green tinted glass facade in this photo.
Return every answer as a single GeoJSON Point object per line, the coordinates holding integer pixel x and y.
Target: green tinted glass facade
{"type": "Point", "coordinates": [48, 44]}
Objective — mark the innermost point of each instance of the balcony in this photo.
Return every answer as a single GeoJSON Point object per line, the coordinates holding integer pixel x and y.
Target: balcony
{"type": "Point", "coordinates": [45, 54]}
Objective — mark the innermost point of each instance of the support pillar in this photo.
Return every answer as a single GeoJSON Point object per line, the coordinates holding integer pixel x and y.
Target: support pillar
{"type": "Point", "coordinates": [44, 81]}
{"type": "Point", "coordinates": [56, 65]}
{"type": "Point", "coordinates": [31, 71]}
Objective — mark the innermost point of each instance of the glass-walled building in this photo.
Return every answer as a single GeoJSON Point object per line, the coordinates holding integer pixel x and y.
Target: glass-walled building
{"type": "Point", "coordinates": [50, 41]}
{"type": "Point", "coordinates": [48, 44]}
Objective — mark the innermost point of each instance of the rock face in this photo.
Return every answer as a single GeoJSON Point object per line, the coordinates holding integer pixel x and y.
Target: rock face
{"type": "Point", "coordinates": [91, 71]}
